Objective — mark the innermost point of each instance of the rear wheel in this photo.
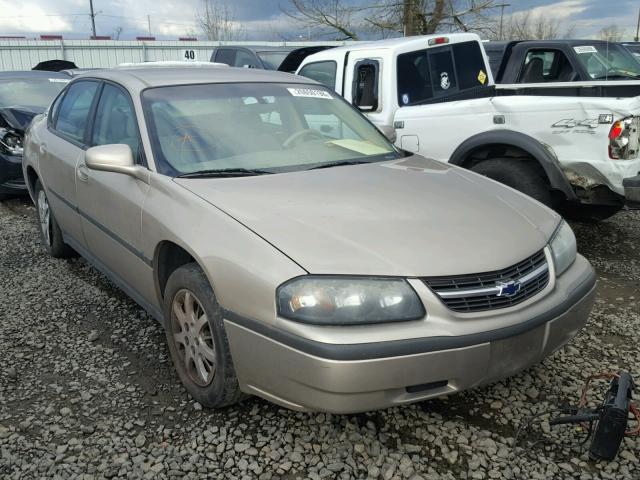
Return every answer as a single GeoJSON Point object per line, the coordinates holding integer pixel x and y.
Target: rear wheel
{"type": "Point", "coordinates": [197, 339]}
{"type": "Point", "coordinates": [50, 232]}
{"type": "Point", "coordinates": [526, 177]}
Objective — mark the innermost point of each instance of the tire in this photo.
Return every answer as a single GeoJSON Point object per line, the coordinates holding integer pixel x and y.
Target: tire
{"type": "Point", "coordinates": [199, 350]}
{"type": "Point", "coordinates": [50, 233]}
{"type": "Point", "coordinates": [526, 177]}
{"type": "Point", "coordinates": [589, 213]}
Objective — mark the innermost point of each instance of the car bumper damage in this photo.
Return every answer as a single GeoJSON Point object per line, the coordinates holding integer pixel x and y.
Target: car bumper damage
{"type": "Point", "coordinates": [11, 178]}
{"type": "Point", "coordinates": [308, 375]}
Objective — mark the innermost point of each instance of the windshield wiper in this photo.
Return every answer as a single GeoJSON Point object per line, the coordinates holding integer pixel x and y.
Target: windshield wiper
{"type": "Point", "coordinates": [227, 172]}
{"type": "Point", "coordinates": [339, 163]}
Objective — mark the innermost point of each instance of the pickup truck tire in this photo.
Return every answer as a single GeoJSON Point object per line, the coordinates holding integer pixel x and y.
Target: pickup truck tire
{"type": "Point", "coordinates": [50, 232]}
{"type": "Point", "coordinates": [525, 176]}
{"type": "Point", "coordinates": [197, 339]}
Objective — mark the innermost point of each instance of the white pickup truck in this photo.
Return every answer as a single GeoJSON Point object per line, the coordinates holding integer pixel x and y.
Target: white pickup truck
{"type": "Point", "coordinates": [569, 145]}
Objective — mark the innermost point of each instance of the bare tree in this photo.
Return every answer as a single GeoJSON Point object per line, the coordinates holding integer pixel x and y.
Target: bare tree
{"type": "Point", "coordinates": [117, 32]}
{"type": "Point", "coordinates": [525, 26]}
{"type": "Point", "coordinates": [612, 33]}
{"type": "Point", "coordinates": [329, 17]}
{"type": "Point", "coordinates": [217, 20]}
{"type": "Point", "coordinates": [349, 20]}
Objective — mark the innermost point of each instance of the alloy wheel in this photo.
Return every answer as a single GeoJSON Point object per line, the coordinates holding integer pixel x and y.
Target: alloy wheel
{"type": "Point", "coordinates": [44, 214]}
{"type": "Point", "coordinates": [193, 337]}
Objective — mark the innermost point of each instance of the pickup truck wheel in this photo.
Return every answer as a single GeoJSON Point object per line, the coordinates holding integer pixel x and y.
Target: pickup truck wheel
{"type": "Point", "coordinates": [197, 339]}
{"type": "Point", "coordinates": [50, 232]}
{"type": "Point", "coordinates": [526, 177]}
{"type": "Point", "coordinates": [589, 213]}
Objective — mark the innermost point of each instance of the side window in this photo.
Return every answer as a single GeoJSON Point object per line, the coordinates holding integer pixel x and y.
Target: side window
{"type": "Point", "coordinates": [470, 67]}
{"type": "Point", "coordinates": [414, 80]}
{"type": "Point", "coordinates": [323, 72]}
{"type": "Point", "coordinates": [443, 75]}
{"type": "Point", "coordinates": [226, 55]}
{"type": "Point", "coordinates": [115, 120]}
{"type": "Point", "coordinates": [546, 66]}
{"type": "Point", "coordinates": [53, 110]}
{"type": "Point", "coordinates": [365, 85]}
{"type": "Point", "coordinates": [71, 118]}
{"type": "Point", "coordinates": [244, 59]}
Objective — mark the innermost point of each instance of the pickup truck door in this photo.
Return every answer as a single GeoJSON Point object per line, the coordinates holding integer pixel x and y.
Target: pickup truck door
{"type": "Point", "coordinates": [112, 202]}
{"type": "Point", "coordinates": [60, 151]}
{"type": "Point", "coordinates": [366, 81]}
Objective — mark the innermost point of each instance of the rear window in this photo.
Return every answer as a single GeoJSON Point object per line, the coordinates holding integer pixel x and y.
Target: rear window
{"type": "Point", "coordinates": [439, 72]}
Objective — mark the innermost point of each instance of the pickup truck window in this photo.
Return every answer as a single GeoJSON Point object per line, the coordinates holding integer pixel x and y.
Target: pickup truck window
{"type": "Point", "coordinates": [439, 72]}
{"type": "Point", "coordinates": [244, 60]}
{"type": "Point", "coordinates": [323, 72]}
{"type": "Point", "coordinates": [548, 65]}
{"type": "Point", "coordinates": [604, 61]}
{"type": "Point", "coordinates": [226, 55]}
{"type": "Point", "coordinates": [365, 85]}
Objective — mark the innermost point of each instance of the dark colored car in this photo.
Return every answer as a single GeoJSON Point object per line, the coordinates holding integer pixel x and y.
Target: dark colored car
{"type": "Point", "coordinates": [283, 59]}
{"type": "Point", "coordinates": [23, 95]}
{"type": "Point", "coordinates": [550, 61]}
{"type": "Point", "coordinates": [634, 48]}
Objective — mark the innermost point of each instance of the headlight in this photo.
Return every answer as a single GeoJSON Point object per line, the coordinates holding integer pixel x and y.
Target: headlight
{"type": "Point", "coordinates": [563, 247]}
{"type": "Point", "coordinates": [348, 300]}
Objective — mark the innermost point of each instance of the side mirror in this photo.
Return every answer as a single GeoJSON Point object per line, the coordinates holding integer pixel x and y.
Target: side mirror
{"type": "Point", "coordinates": [116, 158]}
{"type": "Point", "coordinates": [389, 132]}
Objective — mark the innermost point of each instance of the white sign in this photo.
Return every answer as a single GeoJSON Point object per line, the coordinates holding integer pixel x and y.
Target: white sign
{"type": "Point", "coordinates": [189, 55]}
{"type": "Point", "coordinates": [310, 92]}
{"type": "Point", "coordinates": [585, 49]}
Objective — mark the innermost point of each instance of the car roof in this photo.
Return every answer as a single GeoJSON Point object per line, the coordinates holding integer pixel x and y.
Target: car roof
{"type": "Point", "coordinates": [136, 78]}
{"type": "Point", "coordinates": [390, 43]}
{"type": "Point", "coordinates": [32, 74]}
{"type": "Point", "coordinates": [261, 48]}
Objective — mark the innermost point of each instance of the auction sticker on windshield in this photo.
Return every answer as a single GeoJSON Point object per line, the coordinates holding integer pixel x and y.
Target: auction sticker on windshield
{"type": "Point", "coordinates": [59, 80]}
{"type": "Point", "coordinates": [585, 49]}
{"type": "Point", "coordinates": [310, 92]}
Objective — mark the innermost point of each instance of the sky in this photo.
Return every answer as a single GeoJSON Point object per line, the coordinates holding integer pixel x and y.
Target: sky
{"type": "Point", "coordinates": [260, 19]}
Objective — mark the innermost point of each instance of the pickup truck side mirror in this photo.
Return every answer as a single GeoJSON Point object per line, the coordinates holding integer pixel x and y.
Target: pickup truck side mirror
{"type": "Point", "coordinates": [115, 158]}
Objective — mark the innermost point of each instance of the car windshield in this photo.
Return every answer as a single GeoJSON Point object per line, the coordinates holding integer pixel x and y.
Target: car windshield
{"type": "Point", "coordinates": [265, 127]}
{"type": "Point", "coordinates": [32, 92]}
{"type": "Point", "coordinates": [608, 61]}
{"type": "Point", "coordinates": [272, 60]}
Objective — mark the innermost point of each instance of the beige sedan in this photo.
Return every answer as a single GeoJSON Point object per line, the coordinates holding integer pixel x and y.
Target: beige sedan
{"type": "Point", "coordinates": [289, 249]}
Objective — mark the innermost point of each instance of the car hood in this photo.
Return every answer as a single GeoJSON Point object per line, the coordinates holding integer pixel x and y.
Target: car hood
{"type": "Point", "coordinates": [18, 117]}
{"type": "Point", "coordinates": [409, 217]}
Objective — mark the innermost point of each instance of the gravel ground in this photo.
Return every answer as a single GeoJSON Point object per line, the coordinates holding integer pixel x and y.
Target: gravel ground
{"type": "Point", "coordinates": [87, 390]}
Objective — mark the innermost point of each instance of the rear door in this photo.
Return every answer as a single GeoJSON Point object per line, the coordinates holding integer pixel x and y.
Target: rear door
{"type": "Point", "coordinates": [61, 151]}
{"type": "Point", "coordinates": [112, 202]}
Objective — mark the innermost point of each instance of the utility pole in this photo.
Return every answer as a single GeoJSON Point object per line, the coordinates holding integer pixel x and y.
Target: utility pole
{"type": "Point", "coordinates": [502, 5]}
{"type": "Point", "coordinates": [149, 24]}
{"type": "Point", "coordinates": [93, 18]}
{"type": "Point", "coordinates": [637, 38]}
{"type": "Point", "coordinates": [408, 18]}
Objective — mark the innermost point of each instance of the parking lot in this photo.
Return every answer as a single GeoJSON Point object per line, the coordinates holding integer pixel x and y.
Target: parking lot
{"type": "Point", "coordinates": [87, 390]}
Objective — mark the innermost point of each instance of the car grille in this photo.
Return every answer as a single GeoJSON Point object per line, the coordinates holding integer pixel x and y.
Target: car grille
{"type": "Point", "coordinates": [493, 290]}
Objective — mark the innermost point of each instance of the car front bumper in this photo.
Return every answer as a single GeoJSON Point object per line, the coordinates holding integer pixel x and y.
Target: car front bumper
{"type": "Point", "coordinates": [632, 191]}
{"type": "Point", "coordinates": [11, 178]}
{"type": "Point", "coordinates": [307, 375]}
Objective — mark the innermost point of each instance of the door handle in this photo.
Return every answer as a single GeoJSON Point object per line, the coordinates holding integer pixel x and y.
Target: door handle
{"type": "Point", "coordinates": [43, 149]}
{"type": "Point", "coordinates": [83, 173]}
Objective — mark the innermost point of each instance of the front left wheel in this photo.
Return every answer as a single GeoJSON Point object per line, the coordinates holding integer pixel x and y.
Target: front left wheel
{"type": "Point", "coordinates": [197, 339]}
